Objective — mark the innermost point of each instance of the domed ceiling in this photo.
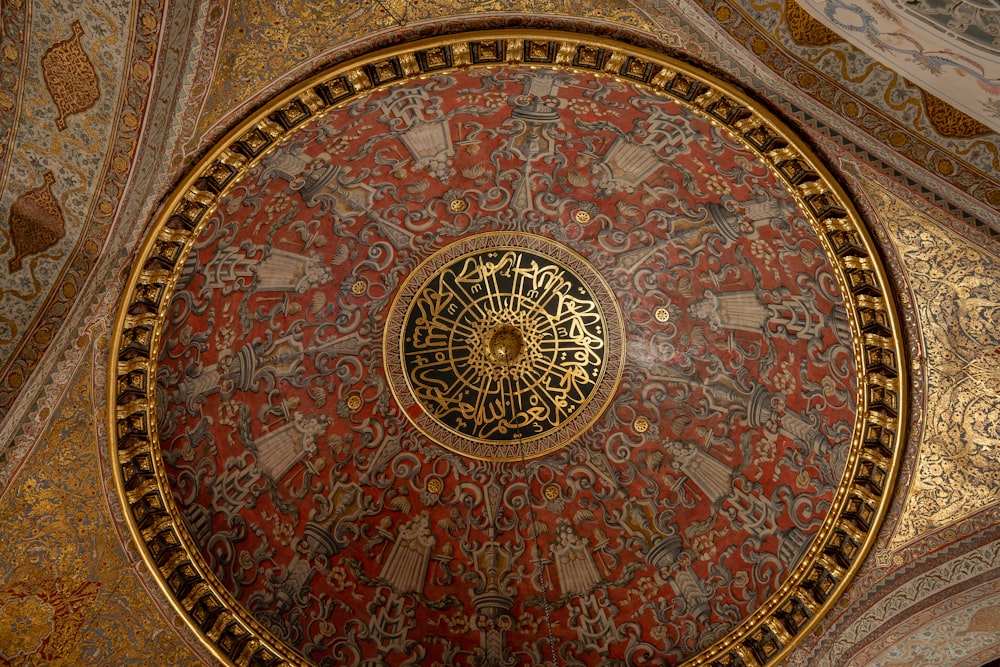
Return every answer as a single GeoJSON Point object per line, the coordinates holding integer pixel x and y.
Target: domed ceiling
{"type": "Point", "coordinates": [501, 350]}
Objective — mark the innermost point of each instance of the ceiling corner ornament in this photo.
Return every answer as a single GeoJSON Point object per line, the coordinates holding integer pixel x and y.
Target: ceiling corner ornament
{"type": "Point", "coordinates": [707, 354]}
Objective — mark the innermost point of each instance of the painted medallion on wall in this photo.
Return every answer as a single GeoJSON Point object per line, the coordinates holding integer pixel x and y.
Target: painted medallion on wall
{"type": "Point", "coordinates": [504, 347]}
{"type": "Point", "coordinates": [504, 341]}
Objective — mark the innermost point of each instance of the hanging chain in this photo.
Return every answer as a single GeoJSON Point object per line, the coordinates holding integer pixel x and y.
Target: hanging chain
{"type": "Point", "coordinates": [532, 517]}
{"type": "Point", "coordinates": [538, 555]}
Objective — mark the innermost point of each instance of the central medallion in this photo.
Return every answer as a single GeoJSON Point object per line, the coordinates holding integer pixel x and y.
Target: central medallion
{"type": "Point", "coordinates": [504, 346]}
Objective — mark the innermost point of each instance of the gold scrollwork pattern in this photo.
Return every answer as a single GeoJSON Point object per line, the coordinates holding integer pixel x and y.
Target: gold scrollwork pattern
{"type": "Point", "coordinates": [838, 547]}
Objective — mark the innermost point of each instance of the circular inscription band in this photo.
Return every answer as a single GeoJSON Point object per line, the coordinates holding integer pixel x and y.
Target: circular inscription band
{"type": "Point", "coordinates": [508, 345]}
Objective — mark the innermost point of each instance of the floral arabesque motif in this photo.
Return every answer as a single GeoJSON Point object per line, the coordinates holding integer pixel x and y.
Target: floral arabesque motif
{"type": "Point", "coordinates": [298, 475]}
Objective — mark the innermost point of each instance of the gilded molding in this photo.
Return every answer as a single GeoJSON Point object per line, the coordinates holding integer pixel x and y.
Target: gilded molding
{"type": "Point", "coordinates": [861, 500]}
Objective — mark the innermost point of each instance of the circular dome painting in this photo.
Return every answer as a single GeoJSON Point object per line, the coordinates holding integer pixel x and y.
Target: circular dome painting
{"type": "Point", "coordinates": [510, 348]}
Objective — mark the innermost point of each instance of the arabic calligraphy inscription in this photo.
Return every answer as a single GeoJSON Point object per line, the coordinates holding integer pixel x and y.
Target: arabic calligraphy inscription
{"type": "Point", "coordinates": [507, 344]}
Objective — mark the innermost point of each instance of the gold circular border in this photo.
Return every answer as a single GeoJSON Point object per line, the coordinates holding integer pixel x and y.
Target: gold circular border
{"type": "Point", "coordinates": [532, 447]}
{"type": "Point", "coordinates": [863, 495]}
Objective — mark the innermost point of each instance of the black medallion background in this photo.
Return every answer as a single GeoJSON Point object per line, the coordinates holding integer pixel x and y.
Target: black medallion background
{"type": "Point", "coordinates": [451, 384]}
{"type": "Point", "coordinates": [449, 357]}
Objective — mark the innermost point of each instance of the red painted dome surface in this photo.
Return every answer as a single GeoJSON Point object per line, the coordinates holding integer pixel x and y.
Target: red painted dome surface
{"type": "Point", "coordinates": [682, 507]}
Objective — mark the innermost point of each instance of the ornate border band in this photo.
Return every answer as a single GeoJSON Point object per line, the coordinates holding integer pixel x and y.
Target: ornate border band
{"type": "Point", "coordinates": [863, 495]}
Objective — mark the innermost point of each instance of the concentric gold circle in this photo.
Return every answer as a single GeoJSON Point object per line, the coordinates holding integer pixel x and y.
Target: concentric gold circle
{"type": "Point", "coordinates": [509, 346]}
